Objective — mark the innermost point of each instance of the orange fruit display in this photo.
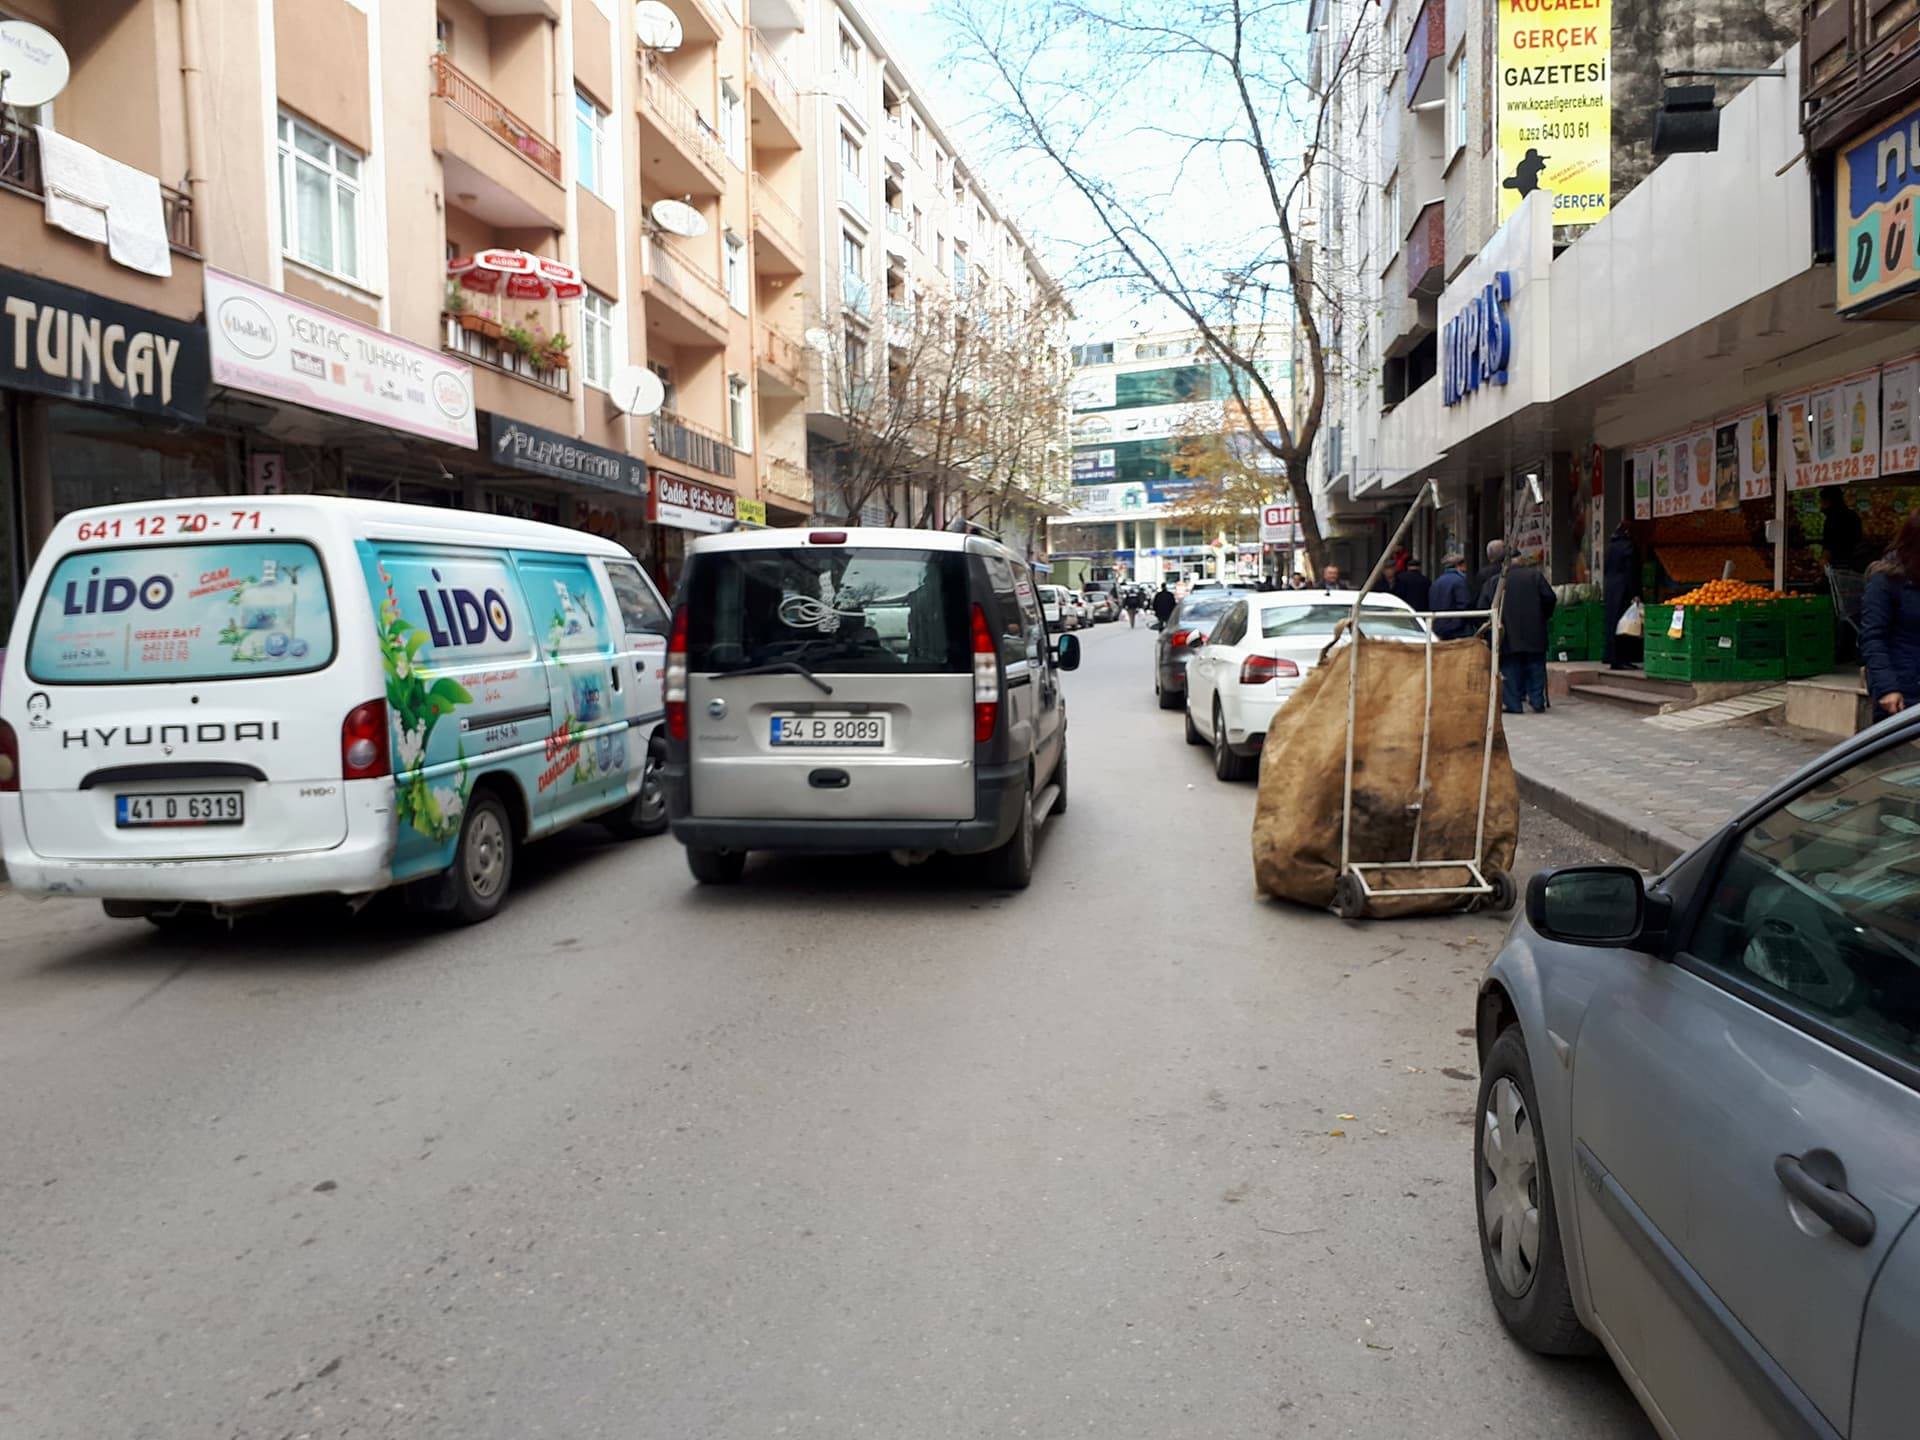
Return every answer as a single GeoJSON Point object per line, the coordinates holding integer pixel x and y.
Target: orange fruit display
{"type": "Point", "coordinates": [1726, 592]}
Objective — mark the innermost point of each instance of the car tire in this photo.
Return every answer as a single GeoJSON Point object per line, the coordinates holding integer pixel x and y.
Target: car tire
{"type": "Point", "coordinates": [716, 867]}
{"type": "Point", "coordinates": [1060, 781]}
{"type": "Point", "coordinates": [1011, 866]}
{"type": "Point", "coordinates": [646, 813]}
{"type": "Point", "coordinates": [1168, 700]}
{"type": "Point", "coordinates": [1194, 737]}
{"type": "Point", "coordinates": [482, 867]}
{"type": "Point", "coordinates": [1227, 766]}
{"type": "Point", "coordinates": [1511, 1177]}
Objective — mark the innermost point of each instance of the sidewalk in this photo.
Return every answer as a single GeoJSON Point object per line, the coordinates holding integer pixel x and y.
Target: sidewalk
{"type": "Point", "coordinates": [1643, 790]}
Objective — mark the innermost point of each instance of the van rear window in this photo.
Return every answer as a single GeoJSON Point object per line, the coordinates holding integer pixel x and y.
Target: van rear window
{"type": "Point", "coordinates": [851, 611]}
{"type": "Point", "coordinates": [222, 610]}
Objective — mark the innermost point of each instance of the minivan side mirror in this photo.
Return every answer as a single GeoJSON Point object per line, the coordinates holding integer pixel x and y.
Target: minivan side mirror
{"type": "Point", "coordinates": [1069, 652]}
{"type": "Point", "coordinates": [1600, 905]}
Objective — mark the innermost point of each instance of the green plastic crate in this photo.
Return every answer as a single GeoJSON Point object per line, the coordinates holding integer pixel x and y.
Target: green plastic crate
{"type": "Point", "coordinates": [1577, 632]}
{"type": "Point", "coordinates": [1701, 631]}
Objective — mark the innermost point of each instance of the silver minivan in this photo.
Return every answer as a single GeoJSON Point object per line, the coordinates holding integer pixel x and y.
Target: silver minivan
{"type": "Point", "coordinates": [862, 690]}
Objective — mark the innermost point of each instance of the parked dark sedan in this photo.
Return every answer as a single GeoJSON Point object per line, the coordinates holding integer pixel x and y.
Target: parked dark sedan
{"type": "Point", "coordinates": [1187, 627]}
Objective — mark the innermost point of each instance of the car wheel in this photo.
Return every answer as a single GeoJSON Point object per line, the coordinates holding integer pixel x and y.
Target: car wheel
{"type": "Point", "coordinates": [1194, 737]}
{"type": "Point", "coordinates": [646, 814]}
{"type": "Point", "coordinates": [1226, 764]}
{"type": "Point", "coordinates": [1060, 780]}
{"type": "Point", "coordinates": [716, 867]}
{"type": "Point", "coordinates": [1513, 1196]}
{"type": "Point", "coordinates": [1168, 700]}
{"type": "Point", "coordinates": [482, 860]}
{"type": "Point", "coordinates": [1011, 866]}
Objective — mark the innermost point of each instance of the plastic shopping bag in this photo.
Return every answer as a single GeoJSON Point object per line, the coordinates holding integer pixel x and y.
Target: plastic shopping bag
{"type": "Point", "coordinates": [1633, 622]}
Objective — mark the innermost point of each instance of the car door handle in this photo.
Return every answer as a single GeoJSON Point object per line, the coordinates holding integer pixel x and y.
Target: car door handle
{"type": "Point", "coordinates": [1818, 1181]}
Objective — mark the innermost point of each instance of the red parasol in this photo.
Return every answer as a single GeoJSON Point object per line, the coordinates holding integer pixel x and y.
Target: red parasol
{"type": "Point", "coordinates": [516, 275]}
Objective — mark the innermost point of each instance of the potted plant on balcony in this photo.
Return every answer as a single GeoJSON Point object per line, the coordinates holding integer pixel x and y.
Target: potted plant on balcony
{"type": "Point", "coordinates": [517, 347]}
{"type": "Point", "coordinates": [555, 355]}
{"type": "Point", "coordinates": [457, 307]}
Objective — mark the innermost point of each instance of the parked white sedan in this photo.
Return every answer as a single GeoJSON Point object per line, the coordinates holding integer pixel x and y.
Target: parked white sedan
{"type": "Point", "coordinates": [1257, 656]}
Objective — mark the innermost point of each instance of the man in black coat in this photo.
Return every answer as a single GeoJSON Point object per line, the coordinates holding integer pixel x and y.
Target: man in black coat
{"type": "Point", "coordinates": [1413, 586]}
{"type": "Point", "coordinates": [1620, 577]}
{"type": "Point", "coordinates": [1524, 613]}
{"type": "Point", "coordinates": [1163, 603]}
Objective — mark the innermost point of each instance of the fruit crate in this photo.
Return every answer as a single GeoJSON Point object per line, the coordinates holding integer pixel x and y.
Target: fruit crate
{"type": "Point", "coordinates": [1577, 632]}
{"type": "Point", "coordinates": [1704, 668]}
{"type": "Point", "coordinates": [1810, 638]}
{"type": "Point", "coordinates": [1701, 631]}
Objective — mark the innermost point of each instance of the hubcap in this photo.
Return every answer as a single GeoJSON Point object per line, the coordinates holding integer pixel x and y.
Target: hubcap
{"type": "Point", "coordinates": [1220, 736]}
{"type": "Point", "coordinates": [486, 854]}
{"type": "Point", "coordinates": [1510, 1186]}
{"type": "Point", "coordinates": [653, 795]}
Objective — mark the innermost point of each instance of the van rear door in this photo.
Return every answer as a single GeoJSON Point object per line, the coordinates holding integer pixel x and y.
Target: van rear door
{"type": "Point", "coordinates": [830, 683]}
{"type": "Point", "coordinates": [180, 704]}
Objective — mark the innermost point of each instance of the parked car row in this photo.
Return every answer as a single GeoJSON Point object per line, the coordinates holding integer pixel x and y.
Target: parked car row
{"type": "Point", "coordinates": [1064, 608]}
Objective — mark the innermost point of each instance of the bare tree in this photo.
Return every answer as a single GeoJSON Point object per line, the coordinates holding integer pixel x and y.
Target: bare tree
{"type": "Point", "coordinates": [1242, 96]}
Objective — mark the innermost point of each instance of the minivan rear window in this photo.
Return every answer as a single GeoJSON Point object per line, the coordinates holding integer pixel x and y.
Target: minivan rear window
{"type": "Point", "coordinates": [218, 610]}
{"type": "Point", "coordinates": [854, 611]}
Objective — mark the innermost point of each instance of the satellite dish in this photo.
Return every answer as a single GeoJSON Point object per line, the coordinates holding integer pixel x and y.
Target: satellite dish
{"type": "Point", "coordinates": [676, 217]}
{"type": "Point", "coordinates": [656, 27]}
{"type": "Point", "coordinates": [637, 390]}
{"type": "Point", "coordinates": [33, 66]}
{"type": "Point", "coordinates": [817, 339]}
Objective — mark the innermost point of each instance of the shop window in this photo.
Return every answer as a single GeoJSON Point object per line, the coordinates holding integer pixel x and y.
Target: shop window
{"type": "Point", "coordinates": [320, 180]}
{"type": "Point", "coordinates": [590, 145]}
{"type": "Point", "coordinates": [596, 339]}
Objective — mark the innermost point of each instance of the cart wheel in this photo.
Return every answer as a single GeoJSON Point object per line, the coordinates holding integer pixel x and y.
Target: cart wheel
{"type": "Point", "coordinates": [1349, 900]}
{"type": "Point", "coordinates": [1505, 892]}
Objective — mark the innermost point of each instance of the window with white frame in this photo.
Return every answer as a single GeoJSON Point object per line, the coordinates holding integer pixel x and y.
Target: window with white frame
{"type": "Point", "coordinates": [590, 144]}
{"type": "Point", "coordinates": [320, 200]}
{"type": "Point", "coordinates": [1461, 78]}
{"type": "Point", "coordinates": [940, 253]}
{"type": "Point", "coordinates": [739, 418]}
{"type": "Point", "coordinates": [596, 339]}
{"type": "Point", "coordinates": [735, 261]}
{"type": "Point", "coordinates": [849, 52]}
{"type": "Point", "coordinates": [853, 256]}
{"type": "Point", "coordinates": [733, 124]}
{"type": "Point", "coordinates": [851, 159]}
{"type": "Point", "coordinates": [913, 136]}
{"type": "Point", "coordinates": [917, 227]}
{"type": "Point", "coordinates": [939, 167]}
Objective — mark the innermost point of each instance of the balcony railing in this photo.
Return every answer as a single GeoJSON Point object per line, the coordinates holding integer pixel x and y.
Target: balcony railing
{"type": "Point", "coordinates": [900, 317]}
{"type": "Point", "coordinates": [1850, 49]}
{"type": "Point", "coordinates": [772, 208]}
{"type": "Point", "coordinates": [679, 438]}
{"type": "Point", "coordinates": [20, 172]}
{"type": "Point", "coordinates": [463, 93]}
{"type": "Point", "coordinates": [673, 272]}
{"type": "Point", "coordinates": [790, 480]}
{"type": "Point", "coordinates": [898, 224]}
{"type": "Point", "coordinates": [784, 353]}
{"type": "Point", "coordinates": [474, 338]}
{"type": "Point", "coordinates": [681, 117]}
{"type": "Point", "coordinates": [773, 75]}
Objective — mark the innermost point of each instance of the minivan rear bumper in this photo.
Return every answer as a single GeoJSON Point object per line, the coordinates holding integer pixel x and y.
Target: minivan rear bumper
{"type": "Point", "coordinates": [998, 793]}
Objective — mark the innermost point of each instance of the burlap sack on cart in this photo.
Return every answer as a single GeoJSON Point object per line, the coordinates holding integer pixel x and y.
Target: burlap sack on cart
{"type": "Point", "coordinates": [1296, 824]}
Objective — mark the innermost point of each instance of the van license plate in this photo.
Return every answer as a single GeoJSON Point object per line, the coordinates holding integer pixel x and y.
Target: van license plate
{"type": "Point", "coordinates": [180, 807]}
{"type": "Point", "coordinates": [829, 730]}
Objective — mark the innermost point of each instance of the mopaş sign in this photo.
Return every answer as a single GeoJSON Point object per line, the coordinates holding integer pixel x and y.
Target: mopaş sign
{"type": "Point", "coordinates": [57, 340]}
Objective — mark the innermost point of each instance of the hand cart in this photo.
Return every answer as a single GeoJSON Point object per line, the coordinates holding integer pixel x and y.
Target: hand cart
{"type": "Point", "coordinates": [1488, 887]}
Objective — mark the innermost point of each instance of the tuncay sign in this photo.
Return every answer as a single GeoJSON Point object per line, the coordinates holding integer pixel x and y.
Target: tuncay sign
{"type": "Point", "coordinates": [1477, 343]}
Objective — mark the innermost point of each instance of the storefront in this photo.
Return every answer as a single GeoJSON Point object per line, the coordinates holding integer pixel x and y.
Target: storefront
{"type": "Point", "coordinates": [681, 508]}
{"type": "Point", "coordinates": [588, 487]}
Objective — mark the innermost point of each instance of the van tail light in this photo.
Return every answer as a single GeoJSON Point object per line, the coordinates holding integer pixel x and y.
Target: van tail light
{"type": "Point", "coordinates": [674, 680]}
{"type": "Point", "coordinates": [1265, 669]}
{"type": "Point", "coordinates": [986, 679]}
{"type": "Point", "coordinates": [365, 752]}
{"type": "Point", "coordinates": [9, 760]}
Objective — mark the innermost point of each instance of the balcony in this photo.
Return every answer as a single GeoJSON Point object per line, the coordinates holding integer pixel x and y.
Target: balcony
{"type": "Point", "coordinates": [787, 481]}
{"type": "Point", "coordinates": [476, 338]}
{"type": "Point", "coordinates": [1426, 252]}
{"type": "Point", "coordinates": [676, 440]}
{"type": "Point", "coordinates": [1426, 43]}
{"type": "Point", "coordinates": [776, 224]}
{"type": "Point", "coordinates": [899, 231]}
{"type": "Point", "coordinates": [1855, 57]}
{"type": "Point", "coordinates": [685, 305]}
{"type": "Point", "coordinates": [691, 159]}
{"type": "Point", "coordinates": [20, 173]}
{"type": "Point", "coordinates": [774, 97]}
{"type": "Point", "coordinates": [900, 322]}
{"type": "Point", "coordinates": [505, 173]}
{"type": "Point", "coordinates": [782, 362]}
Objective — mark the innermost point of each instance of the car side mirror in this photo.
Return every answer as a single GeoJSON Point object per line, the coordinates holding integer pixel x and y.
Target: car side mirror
{"type": "Point", "coordinates": [1599, 905]}
{"type": "Point", "coordinates": [1069, 652]}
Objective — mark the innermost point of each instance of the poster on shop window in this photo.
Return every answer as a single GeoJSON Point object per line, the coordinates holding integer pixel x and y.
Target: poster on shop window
{"type": "Point", "coordinates": [1555, 106]}
{"type": "Point", "coordinates": [1796, 438]}
{"type": "Point", "coordinates": [1726, 465]}
{"type": "Point", "coordinates": [1899, 428]}
{"type": "Point", "coordinates": [1756, 454]}
{"type": "Point", "coordinates": [1700, 442]}
{"type": "Point", "coordinates": [1680, 475]}
{"type": "Point", "coordinates": [1844, 440]}
{"type": "Point", "coordinates": [1642, 463]}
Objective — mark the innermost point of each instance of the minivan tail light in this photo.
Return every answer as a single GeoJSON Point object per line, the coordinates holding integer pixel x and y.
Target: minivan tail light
{"type": "Point", "coordinates": [9, 760]}
{"type": "Point", "coordinates": [986, 679]}
{"type": "Point", "coordinates": [674, 679]}
{"type": "Point", "coordinates": [1265, 669]}
{"type": "Point", "coordinates": [364, 749]}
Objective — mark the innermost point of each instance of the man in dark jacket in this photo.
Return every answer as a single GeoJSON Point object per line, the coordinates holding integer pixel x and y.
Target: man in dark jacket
{"type": "Point", "coordinates": [1496, 557]}
{"type": "Point", "coordinates": [1412, 584]}
{"type": "Point", "coordinates": [1524, 613]}
{"type": "Point", "coordinates": [1841, 530]}
{"type": "Point", "coordinates": [1163, 603]}
{"type": "Point", "coordinates": [1452, 592]}
{"type": "Point", "coordinates": [1890, 623]}
{"type": "Point", "coordinates": [1621, 581]}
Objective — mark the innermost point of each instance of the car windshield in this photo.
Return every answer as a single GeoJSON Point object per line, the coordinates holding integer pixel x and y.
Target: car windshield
{"type": "Point", "coordinates": [851, 611]}
{"type": "Point", "coordinates": [1211, 608]}
{"type": "Point", "coordinates": [1286, 621]}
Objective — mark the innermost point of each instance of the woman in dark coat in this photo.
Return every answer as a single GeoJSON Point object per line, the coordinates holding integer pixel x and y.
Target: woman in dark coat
{"type": "Point", "coordinates": [1890, 623]}
{"type": "Point", "coordinates": [1621, 578]}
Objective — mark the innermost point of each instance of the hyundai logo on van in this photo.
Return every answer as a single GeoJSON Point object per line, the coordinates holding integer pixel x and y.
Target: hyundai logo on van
{"type": "Point", "coordinates": [469, 617]}
{"type": "Point", "coordinates": [167, 736]}
{"type": "Point", "coordinates": [116, 594]}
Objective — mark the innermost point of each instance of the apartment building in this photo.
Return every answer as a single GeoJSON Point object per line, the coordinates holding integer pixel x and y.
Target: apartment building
{"type": "Point", "coordinates": [273, 201]}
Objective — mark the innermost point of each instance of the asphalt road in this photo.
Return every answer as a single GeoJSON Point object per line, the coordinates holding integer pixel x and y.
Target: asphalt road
{"type": "Point", "coordinates": [848, 1151]}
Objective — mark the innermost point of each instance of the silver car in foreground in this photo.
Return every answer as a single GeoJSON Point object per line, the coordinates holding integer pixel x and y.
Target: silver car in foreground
{"type": "Point", "coordinates": [1698, 1133]}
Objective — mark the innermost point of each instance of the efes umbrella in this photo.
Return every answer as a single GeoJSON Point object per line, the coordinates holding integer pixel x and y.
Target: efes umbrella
{"type": "Point", "coordinates": [516, 275]}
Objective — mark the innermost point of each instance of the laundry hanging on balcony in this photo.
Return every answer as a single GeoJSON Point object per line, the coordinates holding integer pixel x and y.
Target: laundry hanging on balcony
{"type": "Point", "coordinates": [516, 275]}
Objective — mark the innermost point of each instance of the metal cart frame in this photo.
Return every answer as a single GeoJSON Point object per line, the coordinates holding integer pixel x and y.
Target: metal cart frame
{"type": "Point", "coordinates": [1492, 887]}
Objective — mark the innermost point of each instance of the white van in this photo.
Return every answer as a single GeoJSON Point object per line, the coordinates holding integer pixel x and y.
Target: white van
{"type": "Point", "coordinates": [217, 702]}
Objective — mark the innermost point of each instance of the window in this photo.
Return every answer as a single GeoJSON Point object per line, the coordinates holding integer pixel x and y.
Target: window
{"type": "Point", "coordinates": [856, 357]}
{"type": "Point", "coordinates": [1100, 354]}
{"type": "Point", "coordinates": [1819, 906]}
{"type": "Point", "coordinates": [918, 229]}
{"type": "Point", "coordinates": [590, 145]}
{"type": "Point", "coordinates": [1018, 646]}
{"type": "Point", "coordinates": [641, 610]}
{"type": "Point", "coordinates": [596, 339]}
{"type": "Point", "coordinates": [1286, 622]}
{"type": "Point", "coordinates": [913, 136]}
{"type": "Point", "coordinates": [1457, 87]}
{"type": "Point", "coordinates": [733, 127]}
{"type": "Point", "coordinates": [735, 262]}
{"type": "Point", "coordinates": [849, 52]}
{"type": "Point", "coordinates": [940, 253]}
{"type": "Point", "coordinates": [939, 167]}
{"type": "Point", "coordinates": [1390, 216]}
{"type": "Point", "coordinates": [739, 418]}
{"type": "Point", "coordinates": [319, 200]}
{"type": "Point", "coordinates": [959, 266]}
{"type": "Point", "coordinates": [443, 34]}
{"type": "Point", "coordinates": [850, 157]}
{"type": "Point", "coordinates": [662, 373]}
{"type": "Point", "coordinates": [853, 255]}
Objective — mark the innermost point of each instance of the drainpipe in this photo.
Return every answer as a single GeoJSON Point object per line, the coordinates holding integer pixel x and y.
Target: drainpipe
{"type": "Point", "coordinates": [193, 81]}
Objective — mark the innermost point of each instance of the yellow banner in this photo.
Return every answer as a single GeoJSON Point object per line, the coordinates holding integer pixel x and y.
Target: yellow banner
{"type": "Point", "coordinates": [754, 512]}
{"type": "Point", "coordinates": [1555, 106]}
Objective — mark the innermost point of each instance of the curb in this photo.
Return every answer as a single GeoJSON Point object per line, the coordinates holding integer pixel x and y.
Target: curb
{"type": "Point", "coordinates": [1646, 843]}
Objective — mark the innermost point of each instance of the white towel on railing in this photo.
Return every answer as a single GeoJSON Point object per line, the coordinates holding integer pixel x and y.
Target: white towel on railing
{"type": "Point", "coordinates": [100, 199]}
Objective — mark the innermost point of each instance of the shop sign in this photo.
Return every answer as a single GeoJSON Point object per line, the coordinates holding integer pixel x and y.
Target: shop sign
{"type": "Point", "coordinates": [548, 452]}
{"type": "Point", "coordinates": [1280, 524]}
{"type": "Point", "coordinates": [266, 343]}
{"type": "Point", "coordinates": [1555, 106]}
{"type": "Point", "coordinates": [1833, 433]}
{"type": "Point", "coordinates": [1094, 467]}
{"type": "Point", "coordinates": [1477, 343]}
{"type": "Point", "coordinates": [689, 505]}
{"type": "Point", "coordinates": [1876, 183]}
{"type": "Point", "coordinates": [57, 340]}
{"type": "Point", "coordinates": [1642, 472]}
{"type": "Point", "coordinates": [1899, 423]}
{"type": "Point", "coordinates": [266, 473]}
{"type": "Point", "coordinates": [753, 512]}
{"type": "Point", "coordinates": [1529, 522]}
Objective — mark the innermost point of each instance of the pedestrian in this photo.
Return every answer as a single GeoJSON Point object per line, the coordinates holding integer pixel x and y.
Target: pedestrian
{"type": "Point", "coordinates": [1134, 604]}
{"type": "Point", "coordinates": [1841, 532]}
{"type": "Point", "coordinates": [1163, 603]}
{"type": "Point", "coordinates": [1496, 557]}
{"type": "Point", "coordinates": [1524, 612]}
{"type": "Point", "coordinates": [1297, 581]}
{"type": "Point", "coordinates": [1890, 623]}
{"type": "Point", "coordinates": [1620, 580]}
{"type": "Point", "coordinates": [1412, 585]}
{"type": "Point", "coordinates": [1330, 576]}
{"type": "Point", "coordinates": [1451, 592]}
